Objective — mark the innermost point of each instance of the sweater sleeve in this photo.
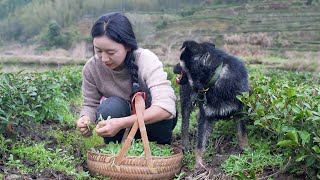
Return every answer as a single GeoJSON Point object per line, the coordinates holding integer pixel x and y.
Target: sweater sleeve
{"type": "Point", "coordinates": [152, 72]}
{"type": "Point", "coordinates": [91, 96]}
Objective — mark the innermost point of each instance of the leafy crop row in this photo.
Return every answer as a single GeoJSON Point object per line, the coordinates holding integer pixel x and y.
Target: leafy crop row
{"type": "Point", "coordinates": [285, 109]}
{"type": "Point", "coordinates": [36, 96]}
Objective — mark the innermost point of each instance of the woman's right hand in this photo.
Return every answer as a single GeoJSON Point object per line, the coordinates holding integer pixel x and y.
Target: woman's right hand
{"type": "Point", "coordinates": [82, 126]}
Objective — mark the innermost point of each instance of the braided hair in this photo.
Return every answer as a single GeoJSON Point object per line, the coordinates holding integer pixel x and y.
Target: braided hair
{"type": "Point", "coordinates": [118, 28]}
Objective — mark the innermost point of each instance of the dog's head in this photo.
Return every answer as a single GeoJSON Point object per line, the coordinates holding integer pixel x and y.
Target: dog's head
{"type": "Point", "coordinates": [196, 53]}
{"type": "Point", "coordinates": [196, 63]}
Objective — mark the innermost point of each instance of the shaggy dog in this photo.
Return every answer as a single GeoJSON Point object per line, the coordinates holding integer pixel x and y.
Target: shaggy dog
{"type": "Point", "coordinates": [210, 79]}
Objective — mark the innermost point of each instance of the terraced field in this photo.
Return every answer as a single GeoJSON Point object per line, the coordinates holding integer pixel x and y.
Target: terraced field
{"type": "Point", "coordinates": [283, 28]}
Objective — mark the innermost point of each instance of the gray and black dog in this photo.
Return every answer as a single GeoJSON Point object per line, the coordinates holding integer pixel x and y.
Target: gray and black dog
{"type": "Point", "coordinates": [211, 79]}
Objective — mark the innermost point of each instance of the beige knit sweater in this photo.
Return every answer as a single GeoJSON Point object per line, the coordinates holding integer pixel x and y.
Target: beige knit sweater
{"type": "Point", "coordinates": [100, 81]}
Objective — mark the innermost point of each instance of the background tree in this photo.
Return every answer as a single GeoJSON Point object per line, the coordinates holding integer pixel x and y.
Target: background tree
{"type": "Point", "coordinates": [55, 38]}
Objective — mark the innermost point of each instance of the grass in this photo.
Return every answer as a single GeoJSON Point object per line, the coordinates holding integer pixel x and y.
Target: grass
{"type": "Point", "coordinates": [192, 126]}
{"type": "Point", "coordinates": [42, 157]}
{"type": "Point", "coordinates": [189, 160]}
{"type": "Point", "coordinates": [268, 59]}
{"type": "Point", "coordinates": [255, 160]}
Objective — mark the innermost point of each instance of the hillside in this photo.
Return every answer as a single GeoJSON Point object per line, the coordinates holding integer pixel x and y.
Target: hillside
{"type": "Point", "coordinates": [280, 29]}
{"type": "Point", "coordinates": [257, 30]}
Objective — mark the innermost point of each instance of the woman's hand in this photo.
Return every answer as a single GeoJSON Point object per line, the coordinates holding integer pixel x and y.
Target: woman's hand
{"type": "Point", "coordinates": [83, 126]}
{"type": "Point", "coordinates": [109, 128]}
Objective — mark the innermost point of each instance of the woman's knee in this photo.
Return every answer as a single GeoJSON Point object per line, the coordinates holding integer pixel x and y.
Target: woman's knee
{"type": "Point", "coordinates": [113, 106]}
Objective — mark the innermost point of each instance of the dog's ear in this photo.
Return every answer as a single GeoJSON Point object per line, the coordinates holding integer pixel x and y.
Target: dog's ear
{"type": "Point", "coordinates": [192, 46]}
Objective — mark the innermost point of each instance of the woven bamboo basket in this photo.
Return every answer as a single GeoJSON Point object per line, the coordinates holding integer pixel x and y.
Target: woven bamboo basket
{"type": "Point", "coordinates": [135, 167]}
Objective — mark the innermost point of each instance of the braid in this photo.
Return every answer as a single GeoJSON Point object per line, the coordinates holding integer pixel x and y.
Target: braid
{"type": "Point", "coordinates": [133, 68]}
{"type": "Point", "coordinates": [136, 86]}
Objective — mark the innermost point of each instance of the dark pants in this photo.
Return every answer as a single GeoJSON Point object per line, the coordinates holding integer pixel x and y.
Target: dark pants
{"type": "Point", "coordinates": [160, 132]}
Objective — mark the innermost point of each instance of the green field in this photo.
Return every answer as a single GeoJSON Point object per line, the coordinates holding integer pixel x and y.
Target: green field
{"type": "Point", "coordinates": [40, 83]}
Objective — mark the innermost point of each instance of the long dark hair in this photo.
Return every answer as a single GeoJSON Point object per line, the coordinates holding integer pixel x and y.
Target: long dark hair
{"type": "Point", "coordinates": [118, 28]}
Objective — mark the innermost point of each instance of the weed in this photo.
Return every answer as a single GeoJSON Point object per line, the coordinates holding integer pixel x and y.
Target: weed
{"type": "Point", "coordinates": [3, 144]}
{"type": "Point", "coordinates": [45, 158]}
{"type": "Point", "coordinates": [82, 175]}
{"type": "Point", "coordinates": [251, 161]}
{"type": "Point", "coordinates": [90, 142]}
{"type": "Point", "coordinates": [15, 163]}
{"type": "Point", "coordinates": [179, 176]}
{"type": "Point", "coordinates": [193, 123]}
{"type": "Point", "coordinates": [189, 160]}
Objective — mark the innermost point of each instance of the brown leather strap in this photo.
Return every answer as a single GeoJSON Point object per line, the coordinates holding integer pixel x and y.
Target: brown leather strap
{"type": "Point", "coordinates": [139, 108]}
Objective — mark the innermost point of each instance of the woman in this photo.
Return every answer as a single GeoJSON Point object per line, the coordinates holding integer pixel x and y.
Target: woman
{"type": "Point", "coordinates": [108, 84]}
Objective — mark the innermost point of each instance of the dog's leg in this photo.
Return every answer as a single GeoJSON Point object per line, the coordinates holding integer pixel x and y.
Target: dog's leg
{"type": "Point", "coordinates": [241, 131]}
{"type": "Point", "coordinates": [204, 131]}
{"type": "Point", "coordinates": [186, 108]}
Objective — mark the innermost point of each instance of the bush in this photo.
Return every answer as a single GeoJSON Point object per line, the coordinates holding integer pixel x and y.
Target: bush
{"type": "Point", "coordinates": [36, 96]}
{"type": "Point", "coordinates": [55, 38]}
{"type": "Point", "coordinates": [188, 12]}
{"type": "Point", "coordinates": [161, 24]}
{"type": "Point", "coordinates": [286, 111]}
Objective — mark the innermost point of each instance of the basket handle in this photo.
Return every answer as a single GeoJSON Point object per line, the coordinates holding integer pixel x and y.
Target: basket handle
{"type": "Point", "coordinates": [139, 107]}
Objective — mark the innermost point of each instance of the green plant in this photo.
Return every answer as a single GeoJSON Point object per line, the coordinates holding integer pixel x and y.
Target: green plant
{"type": "Point", "coordinates": [189, 159]}
{"type": "Point", "coordinates": [172, 77]}
{"type": "Point", "coordinates": [161, 24]}
{"type": "Point", "coordinates": [179, 176]}
{"type": "Point", "coordinates": [56, 108]}
{"type": "Point", "coordinates": [16, 163]}
{"type": "Point", "coordinates": [82, 175]}
{"type": "Point", "coordinates": [4, 144]}
{"type": "Point", "coordinates": [54, 37]}
{"type": "Point", "coordinates": [136, 149]}
{"type": "Point", "coordinates": [286, 112]}
{"type": "Point", "coordinates": [36, 96]}
{"type": "Point", "coordinates": [45, 158]}
{"type": "Point", "coordinates": [90, 142]}
{"type": "Point", "coordinates": [251, 161]}
{"type": "Point", "coordinates": [192, 126]}
{"type": "Point", "coordinates": [189, 11]}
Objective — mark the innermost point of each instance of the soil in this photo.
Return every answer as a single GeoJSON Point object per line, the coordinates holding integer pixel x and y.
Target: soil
{"type": "Point", "coordinates": [34, 132]}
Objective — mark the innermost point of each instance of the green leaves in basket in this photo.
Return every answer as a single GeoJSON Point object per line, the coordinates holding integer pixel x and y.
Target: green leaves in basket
{"type": "Point", "coordinates": [136, 149]}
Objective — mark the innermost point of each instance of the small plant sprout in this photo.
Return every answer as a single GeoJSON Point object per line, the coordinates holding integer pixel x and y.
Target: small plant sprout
{"type": "Point", "coordinates": [91, 126]}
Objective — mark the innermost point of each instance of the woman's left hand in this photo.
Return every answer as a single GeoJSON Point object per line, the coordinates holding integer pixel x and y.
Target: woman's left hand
{"type": "Point", "coordinates": [109, 128]}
